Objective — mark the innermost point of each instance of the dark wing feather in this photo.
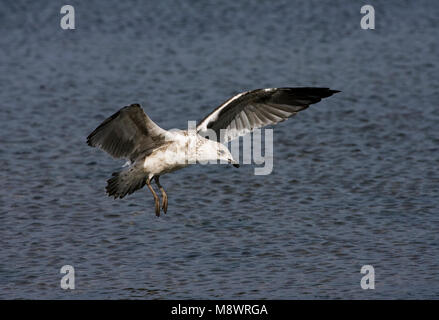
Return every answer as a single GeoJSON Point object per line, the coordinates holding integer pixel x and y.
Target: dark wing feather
{"type": "Point", "coordinates": [127, 134]}
{"type": "Point", "coordinates": [259, 108]}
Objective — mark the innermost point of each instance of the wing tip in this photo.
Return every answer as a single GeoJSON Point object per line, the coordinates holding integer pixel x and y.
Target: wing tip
{"type": "Point", "coordinates": [333, 91]}
{"type": "Point", "coordinates": [89, 139]}
{"type": "Point", "coordinates": [325, 92]}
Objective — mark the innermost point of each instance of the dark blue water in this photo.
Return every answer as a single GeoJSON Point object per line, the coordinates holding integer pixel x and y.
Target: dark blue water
{"type": "Point", "coordinates": [355, 177]}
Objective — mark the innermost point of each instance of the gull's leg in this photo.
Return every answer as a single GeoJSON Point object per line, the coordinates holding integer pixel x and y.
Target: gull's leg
{"type": "Point", "coordinates": [164, 195]}
{"type": "Point", "coordinates": [156, 198]}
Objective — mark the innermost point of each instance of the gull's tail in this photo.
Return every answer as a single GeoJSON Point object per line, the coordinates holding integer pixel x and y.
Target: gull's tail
{"type": "Point", "coordinates": [125, 182]}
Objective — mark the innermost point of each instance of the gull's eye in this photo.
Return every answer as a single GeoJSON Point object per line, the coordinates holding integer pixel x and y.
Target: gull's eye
{"type": "Point", "coordinates": [222, 152]}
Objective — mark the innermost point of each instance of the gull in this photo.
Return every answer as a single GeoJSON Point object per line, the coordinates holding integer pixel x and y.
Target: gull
{"type": "Point", "coordinates": [152, 151]}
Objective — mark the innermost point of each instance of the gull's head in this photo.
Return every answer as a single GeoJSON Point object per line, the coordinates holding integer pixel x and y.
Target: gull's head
{"type": "Point", "coordinates": [225, 155]}
{"type": "Point", "coordinates": [211, 150]}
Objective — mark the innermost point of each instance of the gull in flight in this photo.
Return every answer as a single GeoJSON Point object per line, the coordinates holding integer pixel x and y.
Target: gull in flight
{"type": "Point", "coordinates": [152, 151]}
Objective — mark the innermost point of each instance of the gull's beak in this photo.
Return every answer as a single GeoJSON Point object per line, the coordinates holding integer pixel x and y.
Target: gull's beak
{"type": "Point", "coordinates": [234, 163]}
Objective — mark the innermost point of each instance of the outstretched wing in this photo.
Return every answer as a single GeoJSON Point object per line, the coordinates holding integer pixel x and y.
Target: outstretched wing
{"type": "Point", "coordinates": [259, 108]}
{"type": "Point", "coordinates": [127, 134]}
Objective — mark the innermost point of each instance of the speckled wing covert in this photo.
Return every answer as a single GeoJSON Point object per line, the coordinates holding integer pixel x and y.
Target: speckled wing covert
{"type": "Point", "coordinates": [259, 108]}
{"type": "Point", "coordinates": [129, 133]}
